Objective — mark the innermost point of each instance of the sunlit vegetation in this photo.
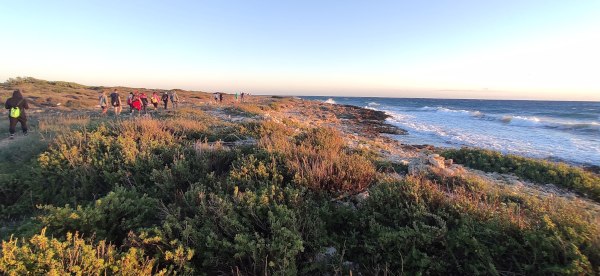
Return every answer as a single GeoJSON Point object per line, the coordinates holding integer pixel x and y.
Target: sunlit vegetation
{"type": "Point", "coordinates": [538, 171]}
{"type": "Point", "coordinates": [176, 194]}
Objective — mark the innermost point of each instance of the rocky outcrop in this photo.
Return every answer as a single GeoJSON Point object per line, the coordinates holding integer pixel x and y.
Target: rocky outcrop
{"type": "Point", "coordinates": [434, 164]}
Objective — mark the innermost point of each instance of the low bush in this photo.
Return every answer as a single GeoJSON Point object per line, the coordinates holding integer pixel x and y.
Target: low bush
{"type": "Point", "coordinates": [111, 217]}
{"type": "Point", "coordinates": [412, 226]}
{"type": "Point", "coordinates": [538, 171]}
{"type": "Point", "coordinates": [41, 255]}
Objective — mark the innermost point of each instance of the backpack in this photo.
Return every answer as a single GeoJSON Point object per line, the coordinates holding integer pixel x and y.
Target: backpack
{"type": "Point", "coordinates": [15, 112]}
{"type": "Point", "coordinates": [103, 100]}
{"type": "Point", "coordinates": [153, 99]}
{"type": "Point", "coordinates": [114, 98]}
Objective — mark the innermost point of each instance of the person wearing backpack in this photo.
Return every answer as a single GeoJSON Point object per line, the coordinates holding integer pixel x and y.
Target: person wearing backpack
{"type": "Point", "coordinates": [174, 99]}
{"type": "Point", "coordinates": [165, 99]}
{"type": "Point", "coordinates": [154, 100]}
{"type": "Point", "coordinates": [103, 102]}
{"type": "Point", "coordinates": [115, 101]}
{"type": "Point", "coordinates": [130, 101]}
{"type": "Point", "coordinates": [144, 99]}
{"type": "Point", "coordinates": [17, 105]}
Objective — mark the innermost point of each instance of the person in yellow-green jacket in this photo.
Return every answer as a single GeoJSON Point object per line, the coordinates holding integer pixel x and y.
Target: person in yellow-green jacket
{"type": "Point", "coordinates": [17, 105]}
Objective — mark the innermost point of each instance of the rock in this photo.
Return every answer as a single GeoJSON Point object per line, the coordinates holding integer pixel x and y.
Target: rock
{"type": "Point", "coordinates": [362, 196]}
{"type": "Point", "coordinates": [458, 169]}
{"type": "Point", "coordinates": [448, 162]}
{"type": "Point", "coordinates": [447, 172]}
{"type": "Point", "coordinates": [417, 166]}
{"type": "Point", "coordinates": [436, 161]}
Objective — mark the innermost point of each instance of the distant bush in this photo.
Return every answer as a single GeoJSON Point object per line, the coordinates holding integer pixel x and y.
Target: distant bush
{"type": "Point", "coordinates": [249, 110]}
{"type": "Point", "coordinates": [538, 171]}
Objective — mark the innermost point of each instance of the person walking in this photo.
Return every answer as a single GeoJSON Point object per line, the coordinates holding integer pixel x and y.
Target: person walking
{"type": "Point", "coordinates": [220, 97]}
{"type": "Point", "coordinates": [103, 102]}
{"type": "Point", "coordinates": [144, 99]}
{"type": "Point", "coordinates": [115, 101]}
{"type": "Point", "coordinates": [242, 96]}
{"type": "Point", "coordinates": [174, 99]}
{"type": "Point", "coordinates": [154, 100]}
{"type": "Point", "coordinates": [165, 99]}
{"type": "Point", "coordinates": [130, 101]}
{"type": "Point", "coordinates": [236, 96]}
{"type": "Point", "coordinates": [136, 104]}
{"type": "Point", "coordinates": [17, 105]}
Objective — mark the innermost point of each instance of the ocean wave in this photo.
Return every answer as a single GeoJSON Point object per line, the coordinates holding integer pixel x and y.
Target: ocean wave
{"type": "Point", "coordinates": [520, 120]}
{"type": "Point", "coordinates": [532, 121]}
{"type": "Point", "coordinates": [373, 104]}
{"type": "Point", "coordinates": [475, 113]}
{"type": "Point", "coordinates": [330, 101]}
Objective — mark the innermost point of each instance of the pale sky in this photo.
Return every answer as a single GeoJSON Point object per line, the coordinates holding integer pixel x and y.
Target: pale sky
{"type": "Point", "coordinates": [444, 49]}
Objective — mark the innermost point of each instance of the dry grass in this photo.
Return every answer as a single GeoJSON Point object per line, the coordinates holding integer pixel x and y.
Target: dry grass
{"type": "Point", "coordinates": [319, 159]}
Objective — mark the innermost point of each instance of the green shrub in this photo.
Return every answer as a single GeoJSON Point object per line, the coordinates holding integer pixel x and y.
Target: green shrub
{"type": "Point", "coordinates": [538, 171]}
{"type": "Point", "coordinates": [413, 226]}
{"type": "Point", "coordinates": [111, 217]}
{"type": "Point", "coordinates": [74, 256]}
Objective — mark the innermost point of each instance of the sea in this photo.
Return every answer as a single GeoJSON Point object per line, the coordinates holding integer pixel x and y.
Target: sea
{"type": "Point", "coordinates": [554, 130]}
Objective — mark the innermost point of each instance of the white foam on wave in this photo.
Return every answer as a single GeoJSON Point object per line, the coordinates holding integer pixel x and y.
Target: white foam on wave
{"type": "Point", "coordinates": [524, 135]}
{"type": "Point", "coordinates": [330, 101]}
{"type": "Point", "coordinates": [521, 120]}
{"type": "Point", "coordinates": [373, 104]}
{"type": "Point", "coordinates": [441, 109]}
{"type": "Point", "coordinates": [532, 121]}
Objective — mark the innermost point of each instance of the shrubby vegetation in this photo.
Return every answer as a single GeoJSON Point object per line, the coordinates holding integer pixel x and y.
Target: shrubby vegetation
{"type": "Point", "coordinates": [145, 196]}
{"type": "Point", "coordinates": [538, 171]}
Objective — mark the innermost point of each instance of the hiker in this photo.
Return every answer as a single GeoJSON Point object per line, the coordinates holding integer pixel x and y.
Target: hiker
{"type": "Point", "coordinates": [174, 99]}
{"type": "Point", "coordinates": [130, 101]}
{"type": "Point", "coordinates": [17, 105]}
{"type": "Point", "coordinates": [103, 102]}
{"type": "Point", "coordinates": [216, 97]}
{"type": "Point", "coordinates": [136, 104]}
{"type": "Point", "coordinates": [236, 96]}
{"type": "Point", "coordinates": [220, 97]}
{"type": "Point", "coordinates": [115, 101]}
{"type": "Point", "coordinates": [242, 96]}
{"type": "Point", "coordinates": [154, 100]}
{"type": "Point", "coordinates": [165, 99]}
{"type": "Point", "coordinates": [144, 99]}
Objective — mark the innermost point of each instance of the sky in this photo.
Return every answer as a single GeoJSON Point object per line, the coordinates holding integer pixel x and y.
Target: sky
{"type": "Point", "coordinates": [436, 49]}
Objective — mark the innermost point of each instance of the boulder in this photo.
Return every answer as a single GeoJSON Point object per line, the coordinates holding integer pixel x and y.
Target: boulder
{"type": "Point", "coordinates": [436, 161]}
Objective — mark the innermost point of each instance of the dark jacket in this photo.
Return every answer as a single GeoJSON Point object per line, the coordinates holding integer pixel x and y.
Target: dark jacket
{"type": "Point", "coordinates": [18, 101]}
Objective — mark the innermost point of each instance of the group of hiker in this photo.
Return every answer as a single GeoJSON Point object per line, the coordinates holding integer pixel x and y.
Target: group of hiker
{"type": "Point", "coordinates": [137, 102]}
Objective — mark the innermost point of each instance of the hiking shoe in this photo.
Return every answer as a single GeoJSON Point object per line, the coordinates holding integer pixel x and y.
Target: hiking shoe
{"type": "Point", "coordinates": [25, 133]}
{"type": "Point", "coordinates": [12, 136]}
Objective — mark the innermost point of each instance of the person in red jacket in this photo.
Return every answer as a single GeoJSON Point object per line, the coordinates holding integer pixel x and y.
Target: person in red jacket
{"type": "Point", "coordinates": [17, 105]}
{"type": "Point", "coordinates": [136, 104]}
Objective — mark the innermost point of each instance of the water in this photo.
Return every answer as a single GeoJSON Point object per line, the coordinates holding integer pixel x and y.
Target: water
{"type": "Point", "coordinates": [568, 131]}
